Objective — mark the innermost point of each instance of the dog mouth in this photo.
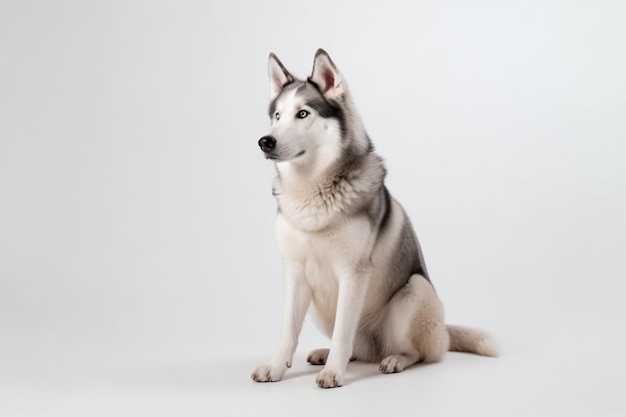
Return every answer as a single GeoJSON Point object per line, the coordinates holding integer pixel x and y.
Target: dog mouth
{"type": "Point", "coordinates": [277, 158]}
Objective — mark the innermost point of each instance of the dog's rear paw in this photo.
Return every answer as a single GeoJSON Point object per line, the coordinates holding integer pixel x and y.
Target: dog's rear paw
{"type": "Point", "coordinates": [267, 373]}
{"type": "Point", "coordinates": [396, 363]}
{"type": "Point", "coordinates": [329, 379]}
{"type": "Point", "coordinates": [318, 357]}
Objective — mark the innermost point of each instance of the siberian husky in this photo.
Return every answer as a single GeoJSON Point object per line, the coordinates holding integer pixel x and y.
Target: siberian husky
{"type": "Point", "coordinates": [347, 245]}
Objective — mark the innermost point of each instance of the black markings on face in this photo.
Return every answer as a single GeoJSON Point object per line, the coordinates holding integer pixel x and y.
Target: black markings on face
{"type": "Point", "coordinates": [327, 110]}
{"type": "Point", "coordinates": [313, 99]}
{"type": "Point", "coordinates": [324, 109]}
{"type": "Point", "coordinates": [287, 87]}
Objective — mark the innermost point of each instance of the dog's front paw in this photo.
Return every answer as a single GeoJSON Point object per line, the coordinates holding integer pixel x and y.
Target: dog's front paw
{"type": "Point", "coordinates": [329, 378]}
{"type": "Point", "coordinates": [269, 373]}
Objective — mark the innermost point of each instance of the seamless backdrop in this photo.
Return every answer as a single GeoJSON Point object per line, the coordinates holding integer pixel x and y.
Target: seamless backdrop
{"type": "Point", "coordinates": [139, 273]}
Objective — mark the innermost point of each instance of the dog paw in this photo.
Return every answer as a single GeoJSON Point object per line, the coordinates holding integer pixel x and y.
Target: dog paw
{"type": "Point", "coordinates": [392, 364]}
{"type": "Point", "coordinates": [268, 373]}
{"type": "Point", "coordinates": [318, 357]}
{"type": "Point", "coordinates": [329, 379]}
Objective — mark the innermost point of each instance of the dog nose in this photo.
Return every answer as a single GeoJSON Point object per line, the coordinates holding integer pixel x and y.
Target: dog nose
{"type": "Point", "coordinates": [267, 143]}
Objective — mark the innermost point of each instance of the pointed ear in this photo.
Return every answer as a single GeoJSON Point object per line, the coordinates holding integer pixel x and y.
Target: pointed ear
{"type": "Point", "coordinates": [327, 77]}
{"type": "Point", "coordinates": [279, 76]}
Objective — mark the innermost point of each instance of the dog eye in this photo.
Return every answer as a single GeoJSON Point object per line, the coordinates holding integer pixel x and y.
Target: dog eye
{"type": "Point", "coordinates": [302, 114]}
{"type": "Point", "coordinates": [277, 116]}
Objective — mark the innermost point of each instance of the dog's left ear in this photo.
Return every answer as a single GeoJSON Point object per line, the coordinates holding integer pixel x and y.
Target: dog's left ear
{"type": "Point", "coordinates": [327, 77]}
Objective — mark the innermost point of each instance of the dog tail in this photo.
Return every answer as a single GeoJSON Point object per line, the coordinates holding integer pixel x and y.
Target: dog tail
{"type": "Point", "coordinates": [463, 339]}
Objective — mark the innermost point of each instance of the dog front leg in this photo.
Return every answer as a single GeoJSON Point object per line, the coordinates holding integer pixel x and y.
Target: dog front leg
{"type": "Point", "coordinates": [352, 289]}
{"type": "Point", "coordinates": [297, 300]}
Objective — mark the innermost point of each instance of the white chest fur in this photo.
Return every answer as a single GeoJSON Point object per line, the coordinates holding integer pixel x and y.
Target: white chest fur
{"type": "Point", "coordinates": [325, 257]}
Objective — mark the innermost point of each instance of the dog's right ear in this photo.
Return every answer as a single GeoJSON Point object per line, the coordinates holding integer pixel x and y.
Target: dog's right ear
{"type": "Point", "coordinates": [279, 76]}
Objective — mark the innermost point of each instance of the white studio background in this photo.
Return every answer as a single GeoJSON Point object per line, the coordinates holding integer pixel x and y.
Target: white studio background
{"type": "Point", "coordinates": [136, 218]}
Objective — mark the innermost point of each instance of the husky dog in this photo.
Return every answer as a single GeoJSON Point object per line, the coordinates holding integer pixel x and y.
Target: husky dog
{"type": "Point", "coordinates": [347, 245]}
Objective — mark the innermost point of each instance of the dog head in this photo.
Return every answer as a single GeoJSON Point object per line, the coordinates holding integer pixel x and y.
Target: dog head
{"type": "Point", "coordinates": [308, 117]}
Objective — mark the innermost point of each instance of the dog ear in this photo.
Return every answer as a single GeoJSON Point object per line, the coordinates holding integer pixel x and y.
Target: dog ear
{"type": "Point", "coordinates": [279, 76]}
{"type": "Point", "coordinates": [327, 77]}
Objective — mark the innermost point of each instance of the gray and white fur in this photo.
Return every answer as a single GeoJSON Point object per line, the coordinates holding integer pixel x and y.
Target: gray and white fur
{"type": "Point", "coordinates": [348, 248]}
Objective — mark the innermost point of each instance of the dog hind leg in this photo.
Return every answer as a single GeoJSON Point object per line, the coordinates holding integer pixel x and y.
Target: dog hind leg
{"type": "Point", "coordinates": [318, 357]}
{"type": "Point", "coordinates": [416, 329]}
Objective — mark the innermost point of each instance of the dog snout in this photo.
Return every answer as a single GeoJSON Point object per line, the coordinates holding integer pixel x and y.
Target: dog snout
{"type": "Point", "coordinates": [267, 143]}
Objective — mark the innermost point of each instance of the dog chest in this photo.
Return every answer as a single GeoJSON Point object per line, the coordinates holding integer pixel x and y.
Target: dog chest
{"type": "Point", "coordinates": [340, 246]}
{"type": "Point", "coordinates": [326, 257]}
